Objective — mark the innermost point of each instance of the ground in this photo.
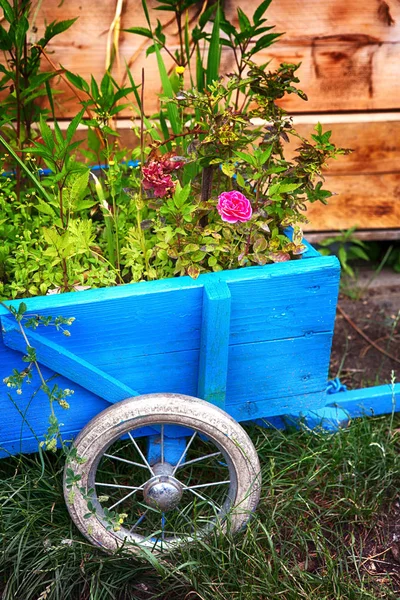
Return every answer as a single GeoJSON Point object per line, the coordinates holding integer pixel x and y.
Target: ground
{"type": "Point", "coordinates": [376, 311]}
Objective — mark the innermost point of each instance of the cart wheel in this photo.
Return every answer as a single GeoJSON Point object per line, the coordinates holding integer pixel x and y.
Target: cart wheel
{"type": "Point", "coordinates": [160, 470]}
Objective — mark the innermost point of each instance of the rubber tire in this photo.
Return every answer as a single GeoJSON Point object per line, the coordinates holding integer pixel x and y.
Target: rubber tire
{"type": "Point", "coordinates": [112, 423]}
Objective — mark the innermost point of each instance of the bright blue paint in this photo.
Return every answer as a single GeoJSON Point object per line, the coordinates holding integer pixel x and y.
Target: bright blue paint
{"type": "Point", "coordinates": [173, 449]}
{"type": "Point", "coordinates": [378, 400]}
{"type": "Point", "coordinates": [67, 364]}
{"type": "Point", "coordinates": [166, 336]}
{"type": "Point", "coordinates": [214, 343]}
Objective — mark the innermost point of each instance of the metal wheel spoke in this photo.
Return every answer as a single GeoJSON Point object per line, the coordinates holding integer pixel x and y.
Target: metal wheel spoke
{"type": "Point", "coordinates": [184, 453]}
{"type": "Point", "coordinates": [123, 487]}
{"type": "Point", "coordinates": [162, 443]}
{"type": "Point", "coordinates": [125, 497]}
{"type": "Point", "coordinates": [203, 498]}
{"type": "Point", "coordinates": [141, 453]}
{"type": "Point", "coordinates": [195, 460]}
{"type": "Point", "coordinates": [140, 519]}
{"type": "Point", "coordinates": [202, 485]}
{"type": "Point", "coordinates": [129, 462]}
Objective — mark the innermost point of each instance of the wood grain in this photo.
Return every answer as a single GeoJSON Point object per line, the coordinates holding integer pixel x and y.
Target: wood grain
{"type": "Point", "coordinates": [349, 50]}
{"type": "Point", "coordinates": [367, 182]}
{"type": "Point", "coordinates": [147, 337]}
{"type": "Point", "coordinates": [364, 201]}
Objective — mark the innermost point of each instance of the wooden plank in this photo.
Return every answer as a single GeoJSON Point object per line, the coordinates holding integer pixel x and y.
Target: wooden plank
{"type": "Point", "coordinates": [377, 400]}
{"type": "Point", "coordinates": [364, 201]}
{"type": "Point", "coordinates": [349, 51]}
{"type": "Point", "coordinates": [263, 412]}
{"type": "Point", "coordinates": [214, 350]}
{"type": "Point", "coordinates": [375, 144]}
{"type": "Point", "coordinates": [275, 373]}
{"type": "Point", "coordinates": [293, 309]}
{"type": "Point", "coordinates": [360, 234]}
{"type": "Point", "coordinates": [153, 318]}
{"type": "Point", "coordinates": [66, 363]}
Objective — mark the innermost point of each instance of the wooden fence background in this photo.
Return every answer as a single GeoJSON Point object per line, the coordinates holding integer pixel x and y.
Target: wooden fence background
{"type": "Point", "coordinates": [350, 55]}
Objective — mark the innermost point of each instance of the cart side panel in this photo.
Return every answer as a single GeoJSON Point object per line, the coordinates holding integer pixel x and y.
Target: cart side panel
{"type": "Point", "coordinates": [281, 336]}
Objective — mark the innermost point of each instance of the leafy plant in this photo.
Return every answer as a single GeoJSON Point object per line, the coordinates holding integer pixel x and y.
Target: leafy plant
{"type": "Point", "coordinates": [347, 248]}
{"type": "Point", "coordinates": [207, 188]}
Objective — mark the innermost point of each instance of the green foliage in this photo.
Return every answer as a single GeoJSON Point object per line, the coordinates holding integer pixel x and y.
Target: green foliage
{"type": "Point", "coordinates": [347, 248]}
{"type": "Point", "coordinates": [72, 229]}
{"type": "Point", "coordinates": [323, 495]}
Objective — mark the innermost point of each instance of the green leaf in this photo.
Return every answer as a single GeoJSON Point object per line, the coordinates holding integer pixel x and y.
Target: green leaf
{"type": "Point", "coordinates": [228, 169]}
{"type": "Point", "coordinates": [57, 27]}
{"type": "Point", "coordinates": [73, 126]}
{"type": "Point", "coordinates": [8, 11]}
{"type": "Point", "coordinates": [46, 133]}
{"type": "Point", "coordinates": [200, 71]}
{"type": "Point", "coordinates": [260, 10]}
{"type": "Point", "coordinates": [46, 209]}
{"type": "Point", "coordinates": [106, 86]}
{"type": "Point", "coordinates": [260, 244]}
{"type": "Point", "coordinates": [79, 186]}
{"type": "Point", "coordinates": [94, 88]}
{"type": "Point", "coordinates": [33, 178]}
{"type": "Point", "coordinates": [249, 158]}
{"type": "Point", "coordinates": [359, 252]}
{"type": "Point", "coordinates": [282, 188]}
{"type": "Point", "coordinates": [22, 308]}
{"type": "Point", "coordinates": [264, 42]}
{"type": "Point", "coordinates": [168, 91]}
{"type": "Point", "coordinates": [244, 22]}
{"type": "Point", "coordinates": [265, 155]}
{"type": "Point", "coordinates": [146, 12]}
{"type": "Point", "coordinates": [140, 31]}
{"type": "Point", "coordinates": [240, 180]}
{"type": "Point", "coordinates": [5, 40]}
{"type": "Point", "coordinates": [20, 32]}
{"type": "Point", "coordinates": [214, 50]}
{"type": "Point", "coordinates": [77, 81]}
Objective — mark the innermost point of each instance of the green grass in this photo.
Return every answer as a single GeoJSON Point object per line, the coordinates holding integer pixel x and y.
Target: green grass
{"type": "Point", "coordinates": [324, 497]}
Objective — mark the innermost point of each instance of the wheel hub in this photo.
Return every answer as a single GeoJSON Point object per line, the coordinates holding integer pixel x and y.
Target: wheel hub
{"type": "Point", "coordinates": [163, 491]}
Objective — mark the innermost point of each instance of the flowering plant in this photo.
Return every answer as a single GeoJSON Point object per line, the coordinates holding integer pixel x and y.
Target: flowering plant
{"type": "Point", "coordinates": [211, 185]}
{"type": "Point", "coordinates": [219, 191]}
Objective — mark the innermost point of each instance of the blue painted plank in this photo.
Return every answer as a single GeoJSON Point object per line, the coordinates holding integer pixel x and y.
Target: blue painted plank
{"type": "Point", "coordinates": [270, 272]}
{"type": "Point", "coordinates": [214, 350]}
{"type": "Point", "coordinates": [292, 305]}
{"type": "Point", "coordinates": [377, 400]}
{"type": "Point", "coordinates": [276, 409]}
{"type": "Point", "coordinates": [66, 363]}
{"type": "Point", "coordinates": [265, 308]}
{"type": "Point", "coordinates": [274, 370]}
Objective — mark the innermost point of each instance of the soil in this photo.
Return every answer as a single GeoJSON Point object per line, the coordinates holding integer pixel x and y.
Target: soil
{"type": "Point", "coordinates": [381, 546]}
{"type": "Point", "coordinates": [353, 358]}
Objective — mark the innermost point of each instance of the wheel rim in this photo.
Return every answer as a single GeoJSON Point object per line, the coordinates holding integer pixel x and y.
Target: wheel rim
{"type": "Point", "coordinates": [161, 505]}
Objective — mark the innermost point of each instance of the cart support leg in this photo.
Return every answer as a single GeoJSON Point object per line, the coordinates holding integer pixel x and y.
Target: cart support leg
{"type": "Point", "coordinates": [214, 347]}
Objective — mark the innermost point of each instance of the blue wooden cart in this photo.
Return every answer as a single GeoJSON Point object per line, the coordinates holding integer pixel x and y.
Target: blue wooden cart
{"type": "Point", "coordinates": [253, 342]}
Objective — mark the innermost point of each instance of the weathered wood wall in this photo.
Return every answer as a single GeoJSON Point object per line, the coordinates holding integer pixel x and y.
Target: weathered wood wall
{"type": "Point", "coordinates": [350, 55]}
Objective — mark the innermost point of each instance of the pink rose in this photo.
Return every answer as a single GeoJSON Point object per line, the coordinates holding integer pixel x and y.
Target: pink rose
{"type": "Point", "coordinates": [234, 207]}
